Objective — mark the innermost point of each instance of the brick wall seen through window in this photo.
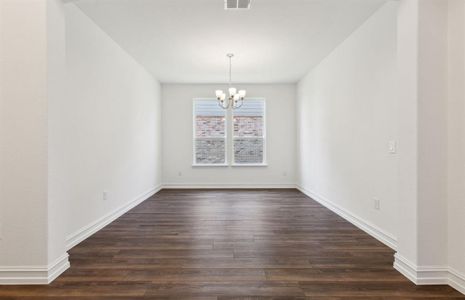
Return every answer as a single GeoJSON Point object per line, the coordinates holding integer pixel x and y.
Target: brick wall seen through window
{"type": "Point", "coordinates": [209, 133]}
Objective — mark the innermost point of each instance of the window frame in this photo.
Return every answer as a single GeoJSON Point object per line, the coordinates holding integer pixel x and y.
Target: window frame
{"type": "Point", "coordinates": [229, 137]}
{"type": "Point", "coordinates": [195, 138]}
{"type": "Point", "coordinates": [264, 137]}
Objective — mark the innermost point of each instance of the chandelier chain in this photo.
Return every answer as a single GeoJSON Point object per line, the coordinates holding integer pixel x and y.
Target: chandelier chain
{"type": "Point", "coordinates": [230, 69]}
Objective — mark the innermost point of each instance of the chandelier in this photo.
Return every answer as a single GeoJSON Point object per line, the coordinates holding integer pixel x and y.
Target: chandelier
{"type": "Point", "coordinates": [235, 98]}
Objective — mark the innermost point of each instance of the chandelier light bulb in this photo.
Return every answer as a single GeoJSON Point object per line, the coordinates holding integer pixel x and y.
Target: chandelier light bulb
{"type": "Point", "coordinates": [219, 93]}
{"type": "Point", "coordinates": [232, 91]}
{"type": "Point", "coordinates": [242, 93]}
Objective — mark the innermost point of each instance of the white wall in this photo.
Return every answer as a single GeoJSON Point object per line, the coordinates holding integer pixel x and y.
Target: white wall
{"type": "Point", "coordinates": [347, 114]}
{"type": "Point", "coordinates": [105, 135]}
{"type": "Point", "coordinates": [77, 116]}
{"type": "Point", "coordinates": [177, 139]}
{"type": "Point", "coordinates": [422, 53]}
{"type": "Point", "coordinates": [407, 63]}
{"type": "Point", "coordinates": [456, 137]}
{"type": "Point", "coordinates": [422, 68]}
{"type": "Point", "coordinates": [432, 133]}
{"type": "Point", "coordinates": [431, 68]}
{"type": "Point", "coordinates": [32, 74]}
{"type": "Point", "coordinates": [23, 133]}
{"type": "Point", "coordinates": [56, 87]}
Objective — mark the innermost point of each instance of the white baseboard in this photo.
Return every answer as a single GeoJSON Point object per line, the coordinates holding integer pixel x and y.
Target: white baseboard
{"type": "Point", "coordinates": [457, 280]}
{"type": "Point", "coordinates": [21, 275]}
{"type": "Point", "coordinates": [429, 275]}
{"type": "Point", "coordinates": [424, 275]}
{"type": "Point", "coordinates": [366, 226]}
{"type": "Point", "coordinates": [420, 275]}
{"type": "Point", "coordinates": [228, 186]}
{"type": "Point", "coordinates": [26, 275]}
{"type": "Point", "coordinates": [85, 232]}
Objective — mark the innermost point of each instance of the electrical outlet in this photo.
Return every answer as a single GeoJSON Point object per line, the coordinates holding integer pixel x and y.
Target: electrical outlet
{"type": "Point", "coordinates": [377, 203]}
{"type": "Point", "coordinates": [179, 174]}
{"type": "Point", "coordinates": [1, 232]}
{"type": "Point", "coordinates": [105, 195]}
{"type": "Point", "coordinates": [285, 174]}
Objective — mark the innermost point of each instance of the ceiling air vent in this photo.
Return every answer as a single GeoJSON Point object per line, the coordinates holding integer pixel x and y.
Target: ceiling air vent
{"type": "Point", "coordinates": [237, 4]}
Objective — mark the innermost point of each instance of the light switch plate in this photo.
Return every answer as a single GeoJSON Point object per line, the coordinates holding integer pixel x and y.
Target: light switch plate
{"type": "Point", "coordinates": [376, 203]}
{"type": "Point", "coordinates": [392, 147]}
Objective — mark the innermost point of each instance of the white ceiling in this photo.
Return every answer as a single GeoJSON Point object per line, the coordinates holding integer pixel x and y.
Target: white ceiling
{"type": "Point", "coordinates": [187, 40]}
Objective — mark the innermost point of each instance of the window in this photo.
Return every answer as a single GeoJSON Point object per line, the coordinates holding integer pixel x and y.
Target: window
{"type": "Point", "coordinates": [249, 133]}
{"type": "Point", "coordinates": [243, 142]}
{"type": "Point", "coordinates": [209, 133]}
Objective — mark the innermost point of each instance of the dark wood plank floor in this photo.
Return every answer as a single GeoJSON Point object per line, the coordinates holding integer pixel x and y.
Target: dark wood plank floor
{"type": "Point", "coordinates": [230, 244]}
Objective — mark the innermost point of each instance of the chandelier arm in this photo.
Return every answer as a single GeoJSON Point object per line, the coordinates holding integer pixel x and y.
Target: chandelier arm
{"type": "Point", "coordinates": [222, 105]}
{"type": "Point", "coordinates": [239, 106]}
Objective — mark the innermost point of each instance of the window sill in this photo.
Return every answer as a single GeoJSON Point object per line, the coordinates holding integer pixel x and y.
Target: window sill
{"type": "Point", "coordinates": [249, 165]}
{"type": "Point", "coordinates": [227, 165]}
{"type": "Point", "coordinates": [209, 165]}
